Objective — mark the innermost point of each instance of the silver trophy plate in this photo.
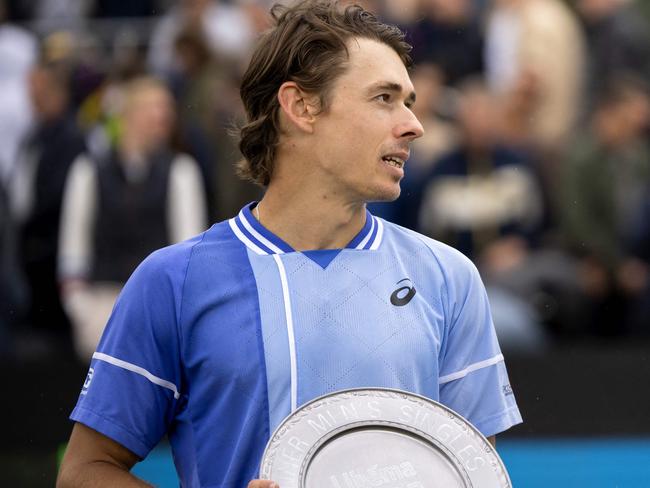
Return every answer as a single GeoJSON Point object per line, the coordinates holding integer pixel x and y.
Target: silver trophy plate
{"type": "Point", "coordinates": [377, 437]}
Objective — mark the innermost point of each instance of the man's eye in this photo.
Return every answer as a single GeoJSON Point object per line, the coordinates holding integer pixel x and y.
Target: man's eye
{"type": "Point", "coordinates": [384, 97]}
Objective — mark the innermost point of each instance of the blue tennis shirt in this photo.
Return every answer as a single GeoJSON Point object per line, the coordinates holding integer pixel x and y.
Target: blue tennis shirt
{"type": "Point", "coordinates": [215, 340]}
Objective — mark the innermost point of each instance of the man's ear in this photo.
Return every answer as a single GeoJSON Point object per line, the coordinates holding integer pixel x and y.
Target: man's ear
{"type": "Point", "coordinates": [299, 108]}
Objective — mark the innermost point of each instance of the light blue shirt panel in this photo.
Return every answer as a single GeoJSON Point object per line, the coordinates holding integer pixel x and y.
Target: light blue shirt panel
{"type": "Point", "coordinates": [482, 395]}
{"type": "Point", "coordinates": [347, 332]}
{"type": "Point", "coordinates": [274, 336]}
{"type": "Point", "coordinates": [471, 334]}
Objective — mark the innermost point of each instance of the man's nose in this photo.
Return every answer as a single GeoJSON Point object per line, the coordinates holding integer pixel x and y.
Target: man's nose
{"type": "Point", "coordinates": [410, 127]}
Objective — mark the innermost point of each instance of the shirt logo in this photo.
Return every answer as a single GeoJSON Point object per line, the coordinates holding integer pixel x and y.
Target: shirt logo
{"type": "Point", "coordinates": [403, 294]}
{"type": "Point", "coordinates": [89, 378]}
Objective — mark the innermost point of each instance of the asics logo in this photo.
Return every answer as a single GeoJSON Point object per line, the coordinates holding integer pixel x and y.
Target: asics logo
{"type": "Point", "coordinates": [403, 294]}
{"type": "Point", "coordinates": [89, 378]}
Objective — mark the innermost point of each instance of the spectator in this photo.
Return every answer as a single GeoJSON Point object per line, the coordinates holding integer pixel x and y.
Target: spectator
{"type": "Point", "coordinates": [536, 46]}
{"type": "Point", "coordinates": [18, 53]}
{"type": "Point", "coordinates": [227, 28]}
{"type": "Point", "coordinates": [208, 101]}
{"type": "Point", "coordinates": [481, 191]}
{"type": "Point", "coordinates": [121, 206]}
{"type": "Point", "coordinates": [483, 198]}
{"type": "Point", "coordinates": [37, 191]}
{"type": "Point", "coordinates": [12, 288]}
{"type": "Point", "coordinates": [618, 37]}
{"type": "Point", "coordinates": [450, 37]}
{"type": "Point", "coordinates": [607, 175]}
{"type": "Point", "coordinates": [199, 87]}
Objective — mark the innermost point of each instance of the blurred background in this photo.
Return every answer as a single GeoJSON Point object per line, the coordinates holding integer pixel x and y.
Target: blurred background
{"type": "Point", "coordinates": [115, 120]}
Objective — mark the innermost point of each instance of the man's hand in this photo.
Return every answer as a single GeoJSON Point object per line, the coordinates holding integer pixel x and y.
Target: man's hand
{"type": "Point", "coordinates": [263, 484]}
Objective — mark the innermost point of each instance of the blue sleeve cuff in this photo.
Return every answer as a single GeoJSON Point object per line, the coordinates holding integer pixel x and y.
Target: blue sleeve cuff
{"type": "Point", "coordinates": [501, 422]}
{"type": "Point", "coordinates": [112, 430]}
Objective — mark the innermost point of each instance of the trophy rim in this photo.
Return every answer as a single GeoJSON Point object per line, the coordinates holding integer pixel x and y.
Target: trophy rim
{"type": "Point", "coordinates": [439, 447]}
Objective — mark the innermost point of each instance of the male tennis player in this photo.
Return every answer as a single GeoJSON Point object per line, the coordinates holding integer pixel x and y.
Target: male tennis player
{"type": "Point", "coordinates": [214, 341]}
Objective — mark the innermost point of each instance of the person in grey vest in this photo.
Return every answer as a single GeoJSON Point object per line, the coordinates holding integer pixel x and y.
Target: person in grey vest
{"type": "Point", "coordinates": [121, 205]}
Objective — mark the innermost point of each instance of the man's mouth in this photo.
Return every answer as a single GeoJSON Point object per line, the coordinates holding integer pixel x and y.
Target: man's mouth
{"type": "Point", "coordinates": [393, 161]}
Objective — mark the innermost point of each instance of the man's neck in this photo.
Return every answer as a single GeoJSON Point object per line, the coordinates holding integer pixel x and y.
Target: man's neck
{"type": "Point", "coordinates": [310, 220]}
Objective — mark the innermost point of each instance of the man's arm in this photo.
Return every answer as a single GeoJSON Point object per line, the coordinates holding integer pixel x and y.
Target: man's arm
{"type": "Point", "coordinates": [93, 460]}
{"type": "Point", "coordinates": [493, 440]}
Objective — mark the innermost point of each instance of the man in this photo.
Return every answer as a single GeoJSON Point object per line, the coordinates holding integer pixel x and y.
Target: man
{"type": "Point", "coordinates": [37, 188]}
{"type": "Point", "coordinates": [216, 340]}
{"type": "Point", "coordinates": [605, 187]}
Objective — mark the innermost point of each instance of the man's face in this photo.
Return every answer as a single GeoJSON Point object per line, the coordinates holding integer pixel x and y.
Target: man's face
{"type": "Point", "coordinates": [362, 139]}
{"type": "Point", "coordinates": [150, 115]}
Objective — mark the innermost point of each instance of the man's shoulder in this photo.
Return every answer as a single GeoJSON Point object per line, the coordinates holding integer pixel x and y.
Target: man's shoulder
{"type": "Point", "coordinates": [175, 257]}
{"type": "Point", "coordinates": [446, 257]}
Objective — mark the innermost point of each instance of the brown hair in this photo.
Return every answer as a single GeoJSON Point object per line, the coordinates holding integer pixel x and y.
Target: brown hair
{"type": "Point", "coordinates": [307, 45]}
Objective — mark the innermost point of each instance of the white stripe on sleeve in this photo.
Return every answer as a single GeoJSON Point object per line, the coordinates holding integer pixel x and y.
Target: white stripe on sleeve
{"type": "Point", "coordinates": [472, 367]}
{"type": "Point", "coordinates": [137, 369]}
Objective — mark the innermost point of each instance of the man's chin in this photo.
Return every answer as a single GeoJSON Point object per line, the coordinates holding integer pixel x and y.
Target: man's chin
{"type": "Point", "coordinates": [386, 196]}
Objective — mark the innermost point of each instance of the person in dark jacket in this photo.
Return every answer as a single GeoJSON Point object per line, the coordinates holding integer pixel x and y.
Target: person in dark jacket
{"type": "Point", "coordinates": [37, 191]}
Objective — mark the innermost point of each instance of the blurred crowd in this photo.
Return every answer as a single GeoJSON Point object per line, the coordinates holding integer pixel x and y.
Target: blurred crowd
{"type": "Point", "coordinates": [116, 121]}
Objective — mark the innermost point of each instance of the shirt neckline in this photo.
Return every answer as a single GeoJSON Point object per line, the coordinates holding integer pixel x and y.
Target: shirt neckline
{"type": "Point", "coordinates": [262, 241]}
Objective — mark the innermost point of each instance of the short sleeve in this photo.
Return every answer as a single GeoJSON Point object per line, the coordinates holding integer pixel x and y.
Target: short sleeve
{"type": "Point", "coordinates": [133, 387]}
{"type": "Point", "coordinates": [473, 378]}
